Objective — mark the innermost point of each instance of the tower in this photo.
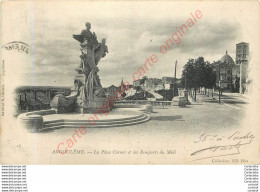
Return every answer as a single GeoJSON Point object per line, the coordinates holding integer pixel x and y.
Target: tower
{"type": "Point", "coordinates": [242, 58]}
{"type": "Point", "coordinates": [122, 83]}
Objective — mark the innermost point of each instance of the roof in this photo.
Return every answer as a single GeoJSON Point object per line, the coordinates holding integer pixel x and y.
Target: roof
{"type": "Point", "coordinates": [242, 43]}
{"type": "Point", "coordinates": [156, 95]}
{"type": "Point", "coordinates": [227, 59]}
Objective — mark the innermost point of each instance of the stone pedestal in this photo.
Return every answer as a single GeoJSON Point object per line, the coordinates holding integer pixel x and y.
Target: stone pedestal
{"type": "Point", "coordinates": [80, 78]}
{"type": "Point", "coordinates": [182, 102]}
{"type": "Point", "coordinates": [98, 105]}
{"type": "Point", "coordinates": [186, 95]}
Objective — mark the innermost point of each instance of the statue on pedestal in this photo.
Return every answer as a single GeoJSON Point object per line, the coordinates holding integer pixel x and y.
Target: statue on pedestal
{"type": "Point", "coordinates": [91, 53]}
{"type": "Point", "coordinates": [87, 94]}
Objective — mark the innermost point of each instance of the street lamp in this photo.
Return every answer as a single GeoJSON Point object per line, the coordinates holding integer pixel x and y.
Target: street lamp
{"type": "Point", "coordinates": [185, 92]}
{"type": "Point", "coordinates": [185, 80]}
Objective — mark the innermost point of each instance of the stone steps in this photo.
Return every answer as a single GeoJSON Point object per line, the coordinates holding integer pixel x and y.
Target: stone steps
{"type": "Point", "coordinates": [98, 122]}
{"type": "Point", "coordinates": [49, 123]}
{"type": "Point", "coordinates": [58, 124]}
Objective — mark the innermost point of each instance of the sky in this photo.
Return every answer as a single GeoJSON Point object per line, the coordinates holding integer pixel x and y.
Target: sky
{"type": "Point", "coordinates": [133, 32]}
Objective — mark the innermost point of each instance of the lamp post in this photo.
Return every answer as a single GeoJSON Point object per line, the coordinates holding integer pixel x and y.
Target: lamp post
{"type": "Point", "coordinates": [185, 80]}
{"type": "Point", "coordinates": [185, 91]}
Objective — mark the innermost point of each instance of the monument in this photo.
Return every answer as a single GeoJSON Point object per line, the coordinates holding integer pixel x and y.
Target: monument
{"type": "Point", "coordinates": [87, 105]}
{"type": "Point", "coordinates": [88, 94]}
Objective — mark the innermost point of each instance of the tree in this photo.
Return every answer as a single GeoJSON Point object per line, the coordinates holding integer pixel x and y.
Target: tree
{"type": "Point", "coordinates": [188, 74]}
{"type": "Point", "coordinates": [192, 74]}
{"type": "Point", "coordinates": [210, 76]}
{"type": "Point", "coordinates": [198, 73]}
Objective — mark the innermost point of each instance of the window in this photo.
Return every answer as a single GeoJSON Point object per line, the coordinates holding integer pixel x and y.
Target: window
{"type": "Point", "coordinates": [228, 78]}
{"type": "Point", "coordinates": [228, 71]}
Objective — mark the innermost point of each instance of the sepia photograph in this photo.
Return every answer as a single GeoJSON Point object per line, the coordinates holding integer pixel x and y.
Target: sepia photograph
{"type": "Point", "coordinates": [123, 82]}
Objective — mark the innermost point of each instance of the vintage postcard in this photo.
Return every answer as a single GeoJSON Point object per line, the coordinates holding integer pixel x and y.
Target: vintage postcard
{"type": "Point", "coordinates": [130, 82]}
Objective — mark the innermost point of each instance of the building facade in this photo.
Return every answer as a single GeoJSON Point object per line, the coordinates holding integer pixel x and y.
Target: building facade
{"type": "Point", "coordinates": [227, 72]}
{"type": "Point", "coordinates": [231, 75]}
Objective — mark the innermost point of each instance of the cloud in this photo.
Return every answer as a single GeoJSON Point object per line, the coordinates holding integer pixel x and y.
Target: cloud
{"type": "Point", "coordinates": [129, 40]}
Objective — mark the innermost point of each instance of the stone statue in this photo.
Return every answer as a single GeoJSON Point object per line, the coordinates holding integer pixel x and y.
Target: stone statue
{"type": "Point", "coordinates": [91, 53]}
{"type": "Point", "coordinates": [88, 45]}
{"type": "Point", "coordinates": [87, 95]}
{"type": "Point", "coordinates": [100, 51]}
